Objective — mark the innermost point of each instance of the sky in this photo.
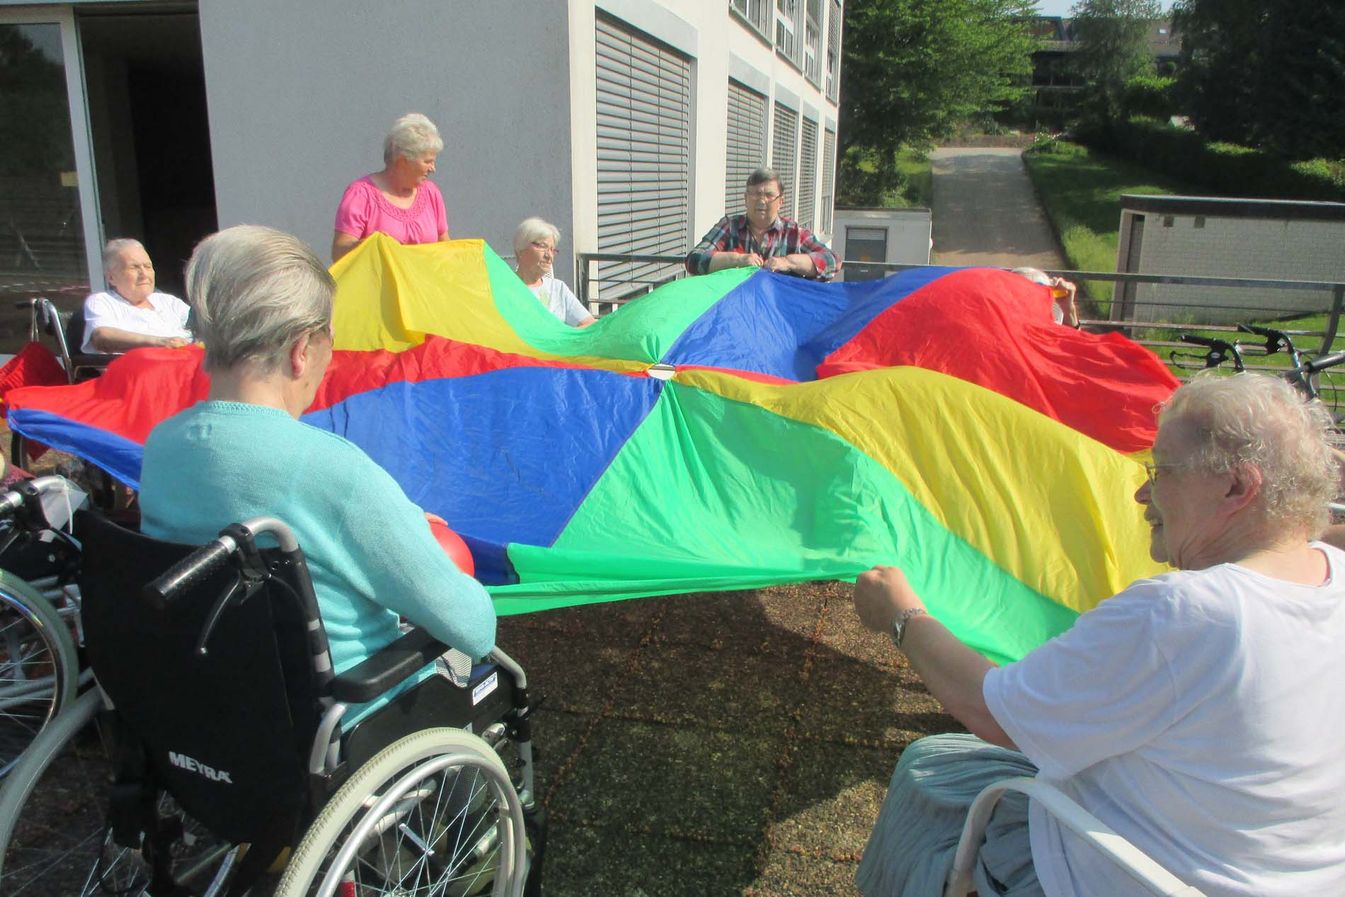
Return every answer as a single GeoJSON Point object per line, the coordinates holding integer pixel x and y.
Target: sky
{"type": "Point", "coordinates": [1062, 7]}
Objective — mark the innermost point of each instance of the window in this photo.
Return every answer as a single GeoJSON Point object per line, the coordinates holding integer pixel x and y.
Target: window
{"type": "Point", "coordinates": [756, 12]}
{"type": "Point", "coordinates": [784, 153]}
{"type": "Point", "coordinates": [786, 15]}
{"type": "Point", "coordinates": [812, 41]}
{"type": "Point", "coordinates": [808, 174]}
{"type": "Point", "coordinates": [746, 143]}
{"type": "Point", "coordinates": [644, 151]}
{"type": "Point", "coordinates": [828, 181]}
{"type": "Point", "coordinates": [834, 50]}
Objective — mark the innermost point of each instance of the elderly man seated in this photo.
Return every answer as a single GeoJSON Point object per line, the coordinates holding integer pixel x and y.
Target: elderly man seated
{"type": "Point", "coordinates": [762, 238]}
{"type": "Point", "coordinates": [1198, 713]}
{"type": "Point", "coordinates": [131, 314]}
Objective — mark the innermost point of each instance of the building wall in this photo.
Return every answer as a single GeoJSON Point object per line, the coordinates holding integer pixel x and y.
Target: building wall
{"type": "Point", "coordinates": [1262, 248]}
{"type": "Point", "coordinates": [908, 232]}
{"type": "Point", "coordinates": [302, 93]}
{"type": "Point", "coordinates": [721, 46]}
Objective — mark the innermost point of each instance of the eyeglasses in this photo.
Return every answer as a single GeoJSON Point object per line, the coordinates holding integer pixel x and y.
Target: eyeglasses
{"type": "Point", "coordinates": [1152, 470]}
{"type": "Point", "coordinates": [543, 246]}
{"type": "Point", "coordinates": [759, 194]}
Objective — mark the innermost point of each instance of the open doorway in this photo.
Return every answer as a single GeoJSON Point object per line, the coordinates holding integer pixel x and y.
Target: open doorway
{"type": "Point", "coordinates": [151, 139]}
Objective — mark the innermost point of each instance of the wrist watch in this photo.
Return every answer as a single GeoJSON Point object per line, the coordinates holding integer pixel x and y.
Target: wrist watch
{"type": "Point", "coordinates": [899, 622]}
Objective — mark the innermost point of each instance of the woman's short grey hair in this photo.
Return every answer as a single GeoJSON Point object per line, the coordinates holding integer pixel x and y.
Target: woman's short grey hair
{"type": "Point", "coordinates": [113, 249]}
{"type": "Point", "coordinates": [255, 290]}
{"type": "Point", "coordinates": [412, 136]}
{"type": "Point", "coordinates": [1036, 275]}
{"type": "Point", "coordinates": [533, 229]}
{"type": "Point", "coordinates": [1263, 421]}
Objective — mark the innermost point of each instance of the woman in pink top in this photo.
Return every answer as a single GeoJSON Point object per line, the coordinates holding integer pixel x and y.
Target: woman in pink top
{"type": "Point", "coordinates": [400, 200]}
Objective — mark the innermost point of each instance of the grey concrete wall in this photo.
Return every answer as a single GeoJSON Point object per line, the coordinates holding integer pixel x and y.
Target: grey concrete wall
{"type": "Point", "coordinates": [301, 94]}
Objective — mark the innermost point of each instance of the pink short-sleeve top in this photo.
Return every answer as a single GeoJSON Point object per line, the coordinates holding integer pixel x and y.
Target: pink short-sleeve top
{"type": "Point", "coordinates": [364, 209]}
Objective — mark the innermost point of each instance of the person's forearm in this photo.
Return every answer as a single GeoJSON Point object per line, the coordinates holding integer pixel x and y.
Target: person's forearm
{"type": "Point", "coordinates": [342, 243]}
{"type": "Point", "coordinates": [802, 264]}
{"type": "Point", "coordinates": [954, 674]}
{"type": "Point", "coordinates": [111, 340]}
{"type": "Point", "coordinates": [721, 260]}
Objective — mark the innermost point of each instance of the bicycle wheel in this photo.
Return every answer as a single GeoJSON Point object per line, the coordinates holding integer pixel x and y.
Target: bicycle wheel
{"type": "Point", "coordinates": [39, 668]}
{"type": "Point", "coordinates": [54, 836]}
{"type": "Point", "coordinates": [432, 814]}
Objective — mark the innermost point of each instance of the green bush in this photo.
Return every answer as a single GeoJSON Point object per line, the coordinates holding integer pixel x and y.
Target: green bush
{"type": "Point", "coordinates": [1224, 169]}
{"type": "Point", "coordinates": [1149, 95]}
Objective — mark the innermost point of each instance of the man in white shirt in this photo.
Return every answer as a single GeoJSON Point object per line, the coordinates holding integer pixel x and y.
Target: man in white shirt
{"type": "Point", "coordinates": [1198, 713]}
{"type": "Point", "coordinates": [130, 314]}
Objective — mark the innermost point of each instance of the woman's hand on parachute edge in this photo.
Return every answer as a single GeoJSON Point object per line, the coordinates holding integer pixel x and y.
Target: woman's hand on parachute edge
{"type": "Point", "coordinates": [881, 594]}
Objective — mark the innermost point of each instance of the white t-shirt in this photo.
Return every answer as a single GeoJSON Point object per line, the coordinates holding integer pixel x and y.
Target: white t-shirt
{"type": "Point", "coordinates": [562, 303]}
{"type": "Point", "coordinates": [1200, 714]}
{"type": "Point", "coordinates": [165, 316]}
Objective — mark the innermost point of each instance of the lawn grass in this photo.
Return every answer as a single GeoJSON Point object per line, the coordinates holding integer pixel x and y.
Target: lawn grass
{"type": "Point", "coordinates": [917, 189]}
{"type": "Point", "coordinates": [1081, 193]}
{"type": "Point", "coordinates": [917, 170]}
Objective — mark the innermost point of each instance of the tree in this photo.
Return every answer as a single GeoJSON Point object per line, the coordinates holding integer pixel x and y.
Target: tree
{"type": "Point", "coordinates": [1113, 48]}
{"type": "Point", "coordinates": [915, 68]}
{"type": "Point", "coordinates": [1265, 73]}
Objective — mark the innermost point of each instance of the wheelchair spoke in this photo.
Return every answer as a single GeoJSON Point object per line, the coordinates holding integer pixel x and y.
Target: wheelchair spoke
{"type": "Point", "coordinates": [37, 663]}
{"type": "Point", "coordinates": [434, 814]}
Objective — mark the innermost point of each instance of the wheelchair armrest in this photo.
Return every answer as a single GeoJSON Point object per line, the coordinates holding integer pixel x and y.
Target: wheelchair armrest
{"type": "Point", "coordinates": [378, 673]}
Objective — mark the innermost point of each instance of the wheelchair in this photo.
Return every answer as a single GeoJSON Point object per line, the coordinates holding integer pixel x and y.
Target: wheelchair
{"type": "Point", "coordinates": [39, 615]}
{"type": "Point", "coordinates": [67, 339]}
{"type": "Point", "coordinates": [218, 721]}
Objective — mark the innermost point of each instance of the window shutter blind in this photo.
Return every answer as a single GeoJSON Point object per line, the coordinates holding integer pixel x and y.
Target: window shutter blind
{"type": "Point", "coordinates": [644, 152]}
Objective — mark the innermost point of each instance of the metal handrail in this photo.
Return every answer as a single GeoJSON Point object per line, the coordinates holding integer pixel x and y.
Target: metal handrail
{"type": "Point", "coordinates": [625, 290]}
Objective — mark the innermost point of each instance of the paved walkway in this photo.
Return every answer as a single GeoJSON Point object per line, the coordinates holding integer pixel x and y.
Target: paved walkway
{"type": "Point", "coordinates": [986, 213]}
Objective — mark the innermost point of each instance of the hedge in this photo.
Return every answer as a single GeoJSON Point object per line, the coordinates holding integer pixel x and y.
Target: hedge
{"type": "Point", "coordinates": [1225, 169]}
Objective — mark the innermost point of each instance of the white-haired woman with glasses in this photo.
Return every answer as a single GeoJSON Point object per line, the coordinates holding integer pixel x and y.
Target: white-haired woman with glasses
{"type": "Point", "coordinates": [263, 306]}
{"type": "Point", "coordinates": [535, 244]}
{"type": "Point", "coordinates": [400, 200]}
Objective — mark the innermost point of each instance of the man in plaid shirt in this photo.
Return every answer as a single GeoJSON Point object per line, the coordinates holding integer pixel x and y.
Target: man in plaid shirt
{"type": "Point", "coordinates": [762, 239]}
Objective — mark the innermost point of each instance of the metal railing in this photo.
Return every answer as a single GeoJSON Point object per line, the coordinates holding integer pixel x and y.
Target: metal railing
{"type": "Point", "coordinates": [1139, 308]}
{"type": "Point", "coordinates": [634, 276]}
{"type": "Point", "coordinates": [1129, 311]}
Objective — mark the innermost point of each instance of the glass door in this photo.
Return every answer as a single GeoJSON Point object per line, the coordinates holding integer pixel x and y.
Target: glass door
{"type": "Point", "coordinates": [48, 236]}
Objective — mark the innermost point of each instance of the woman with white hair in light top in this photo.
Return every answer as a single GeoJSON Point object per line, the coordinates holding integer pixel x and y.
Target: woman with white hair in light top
{"type": "Point", "coordinates": [400, 200]}
{"type": "Point", "coordinates": [535, 244]}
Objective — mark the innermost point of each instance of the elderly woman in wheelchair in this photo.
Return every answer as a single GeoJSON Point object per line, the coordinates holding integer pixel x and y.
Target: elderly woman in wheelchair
{"type": "Point", "coordinates": [271, 692]}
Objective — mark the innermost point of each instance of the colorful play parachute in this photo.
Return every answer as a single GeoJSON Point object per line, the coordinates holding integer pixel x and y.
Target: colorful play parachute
{"type": "Point", "coordinates": [724, 432]}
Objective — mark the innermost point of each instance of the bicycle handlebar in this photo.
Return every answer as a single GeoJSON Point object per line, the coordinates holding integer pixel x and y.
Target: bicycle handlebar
{"type": "Point", "coordinates": [1275, 339]}
{"type": "Point", "coordinates": [1321, 364]}
{"type": "Point", "coordinates": [1219, 350]}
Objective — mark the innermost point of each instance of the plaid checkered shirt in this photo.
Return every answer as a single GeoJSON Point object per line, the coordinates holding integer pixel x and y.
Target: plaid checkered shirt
{"type": "Point", "coordinates": [785, 237]}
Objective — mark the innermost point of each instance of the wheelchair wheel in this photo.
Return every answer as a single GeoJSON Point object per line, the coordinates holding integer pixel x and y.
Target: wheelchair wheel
{"type": "Point", "coordinates": [54, 834]}
{"type": "Point", "coordinates": [432, 814]}
{"type": "Point", "coordinates": [39, 668]}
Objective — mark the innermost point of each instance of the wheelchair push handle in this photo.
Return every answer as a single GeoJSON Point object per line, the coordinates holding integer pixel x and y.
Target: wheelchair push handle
{"type": "Point", "coordinates": [234, 545]}
{"type": "Point", "coordinates": [26, 496]}
{"type": "Point", "coordinates": [198, 565]}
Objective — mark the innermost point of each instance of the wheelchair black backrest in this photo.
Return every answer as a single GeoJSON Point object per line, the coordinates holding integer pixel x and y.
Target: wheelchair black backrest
{"type": "Point", "coordinates": [227, 732]}
{"type": "Point", "coordinates": [74, 332]}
